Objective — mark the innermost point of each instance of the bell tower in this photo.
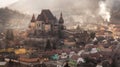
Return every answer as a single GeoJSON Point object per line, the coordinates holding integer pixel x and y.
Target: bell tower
{"type": "Point", "coordinates": [61, 22]}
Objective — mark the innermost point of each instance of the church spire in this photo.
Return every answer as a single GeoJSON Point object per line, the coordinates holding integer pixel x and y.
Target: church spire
{"type": "Point", "coordinates": [78, 27]}
{"type": "Point", "coordinates": [33, 18]}
{"type": "Point", "coordinates": [61, 20]}
{"type": "Point", "coordinates": [61, 14]}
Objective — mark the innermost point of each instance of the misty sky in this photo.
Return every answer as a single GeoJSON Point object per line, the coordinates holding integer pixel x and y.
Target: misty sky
{"type": "Point", "coordinates": [79, 11]}
{"type": "Point", "coordinates": [4, 3]}
{"type": "Point", "coordinates": [33, 5]}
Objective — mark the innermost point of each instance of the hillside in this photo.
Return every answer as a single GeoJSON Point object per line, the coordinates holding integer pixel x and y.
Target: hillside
{"type": "Point", "coordinates": [12, 19]}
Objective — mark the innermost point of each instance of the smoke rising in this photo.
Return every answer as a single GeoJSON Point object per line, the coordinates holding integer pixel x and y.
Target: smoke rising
{"type": "Point", "coordinates": [104, 11]}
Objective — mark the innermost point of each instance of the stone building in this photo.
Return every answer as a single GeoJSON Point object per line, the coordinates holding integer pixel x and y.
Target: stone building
{"type": "Point", "coordinates": [46, 24]}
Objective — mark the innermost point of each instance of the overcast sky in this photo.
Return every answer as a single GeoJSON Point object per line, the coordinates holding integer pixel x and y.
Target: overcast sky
{"type": "Point", "coordinates": [4, 3]}
{"type": "Point", "coordinates": [32, 5]}
{"type": "Point", "coordinates": [78, 11]}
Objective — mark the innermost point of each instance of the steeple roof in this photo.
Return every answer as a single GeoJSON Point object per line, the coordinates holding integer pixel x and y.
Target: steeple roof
{"type": "Point", "coordinates": [45, 15]}
{"type": "Point", "coordinates": [33, 18]}
{"type": "Point", "coordinates": [61, 20]}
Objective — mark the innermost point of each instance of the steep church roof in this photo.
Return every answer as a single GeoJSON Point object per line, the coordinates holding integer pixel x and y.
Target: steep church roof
{"type": "Point", "coordinates": [45, 15]}
{"type": "Point", "coordinates": [40, 18]}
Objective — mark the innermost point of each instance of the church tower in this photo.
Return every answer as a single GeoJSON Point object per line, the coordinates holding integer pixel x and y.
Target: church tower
{"type": "Point", "coordinates": [61, 22]}
{"type": "Point", "coordinates": [33, 22]}
{"type": "Point", "coordinates": [61, 27]}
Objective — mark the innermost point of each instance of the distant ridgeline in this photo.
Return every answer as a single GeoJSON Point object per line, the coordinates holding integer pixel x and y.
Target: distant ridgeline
{"type": "Point", "coordinates": [8, 18]}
